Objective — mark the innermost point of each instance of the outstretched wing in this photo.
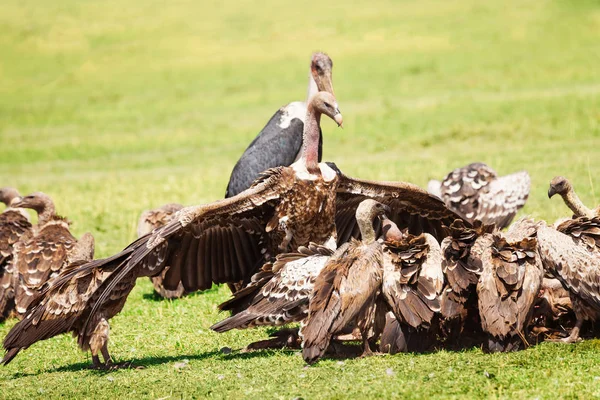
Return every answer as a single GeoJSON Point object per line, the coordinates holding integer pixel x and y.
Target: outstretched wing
{"type": "Point", "coordinates": [413, 278]}
{"type": "Point", "coordinates": [412, 207]}
{"type": "Point", "coordinates": [502, 198]}
{"type": "Point", "coordinates": [573, 265]}
{"type": "Point", "coordinates": [278, 294]}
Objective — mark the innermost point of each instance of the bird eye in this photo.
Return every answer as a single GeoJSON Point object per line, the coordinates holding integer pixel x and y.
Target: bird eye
{"type": "Point", "coordinates": [327, 105]}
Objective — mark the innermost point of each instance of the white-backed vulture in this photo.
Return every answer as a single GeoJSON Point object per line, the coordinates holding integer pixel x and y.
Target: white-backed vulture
{"type": "Point", "coordinates": [150, 220]}
{"type": "Point", "coordinates": [561, 186]}
{"type": "Point", "coordinates": [279, 143]}
{"type": "Point", "coordinates": [510, 279]}
{"type": "Point", "coordinates": [14, 226]}
{"type": "Point", "coordinates": [578, 269]}
{"type": "Point", "coordinates": [476, 192]}
{"type": "Point", "coordinates": [412, 285]}
{"type": "Point", "coordinates": [346, 289]}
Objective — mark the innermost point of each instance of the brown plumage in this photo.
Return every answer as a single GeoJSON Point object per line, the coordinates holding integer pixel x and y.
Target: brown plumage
{"type": "Point", "coordinates": [346, 289]}
{"type": "Point", "coordinates": [510, 279]}
{"type": "Point", "coordinates": [476, 192]}
{"type": "Point", "coordinates": [229, 240]}
{"type": "Point", "coordinates": [14, 226]}
{"type": "Point", "coordinates": [149, 221]}
{"type": "Point", "coordinates": [577, 267]}
{"type": "Point", "coordinates": [278, 293]}
{"type": "Point", "coordinates": [460, 274]}
{"type": "Point", "coordinates": [553, 307]}
{"type": "Point", "coordinates": [49, 249]}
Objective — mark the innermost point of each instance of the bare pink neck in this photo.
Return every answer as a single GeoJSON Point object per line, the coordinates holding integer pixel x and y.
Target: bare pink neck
{"type": "Point", "coordinates": [310, 138]}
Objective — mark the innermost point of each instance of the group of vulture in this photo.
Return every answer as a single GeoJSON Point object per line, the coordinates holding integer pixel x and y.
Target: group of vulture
{"type": "Point", "coordinates": [387, 264]}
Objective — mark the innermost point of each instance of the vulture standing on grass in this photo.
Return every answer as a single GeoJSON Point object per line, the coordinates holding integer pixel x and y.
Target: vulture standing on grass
{"type": "Point", "coordinates": [14, 225]}
{"type": "Point", "coordinates": [229, 240]}
{"type": "Point", "coordinates": [412, 285]}
{"type": "Point", "coordinates": [459, 298]}
{"type": "Point", "coordinates": [476, 192]}
{"type": "Point", "coordinates": [577, 267]}
{"type": "Point", "coordinates": [346, 290]}
{"type": "Point", "coordinates": [280, 141]}
{"type": "Point", "coordinates": [511, 276]}
{"type": "Point", "coordinates": [580, 276]}
{"type": "Point", "coordinates": [150, 220]}
{"type": "Point", "coordinates": [41, 256]}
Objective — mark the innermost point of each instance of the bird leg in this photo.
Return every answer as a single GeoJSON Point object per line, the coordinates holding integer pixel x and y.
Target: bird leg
{"type": "Point", "coordinates": [107, 359]}
{"type": "Point", "coordinates": [366, 346]}
{"type": "Point", "coordinates": [99, 343]}
{"type": "Point", "coordinates": [574, 336]}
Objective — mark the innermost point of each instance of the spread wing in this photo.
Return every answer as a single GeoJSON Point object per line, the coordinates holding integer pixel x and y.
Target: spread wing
{"type": "Point", "coordinates": [461, 187]}
{"type": "Point", "coordinates": [13, 227]}
{"type": "Point", "coordinates": [499, 202]}
{"type": "Point", "coordinates": [40, 258]}
{"type": "Point", "coordinates": [279, 293]}
{"type": "Point", "coordinates": [573, 265]}
{"type": "Point", "coordinates": [508, 286]}
{"type": "Point", "coordinates": [412, 207]}
{"type": "Point", "coordinates": [413, 278]}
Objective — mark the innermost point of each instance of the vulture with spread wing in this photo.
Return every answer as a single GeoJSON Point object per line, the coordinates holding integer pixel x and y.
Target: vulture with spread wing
{"type": "Point", "coordinates": [279, 143]}
{"type": "Point", "coordinates": [476, 192]}
{"type": "Point", "coordinates": [42, 255]}
{"type": "Point", "coordinates": [510, 279]}
{"type": "Point", "coordinates": [229, 240]}
{"type": "Point", "coordinates": [346, 289]}
{"type": "Point", "coordinates": [150, 220]}
{"type": "Point", "coordinates": [14, 226]}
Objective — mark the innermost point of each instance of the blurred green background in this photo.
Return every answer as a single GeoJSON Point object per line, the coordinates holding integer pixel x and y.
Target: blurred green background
{"type": "Point", "coordinates": [114, 107]}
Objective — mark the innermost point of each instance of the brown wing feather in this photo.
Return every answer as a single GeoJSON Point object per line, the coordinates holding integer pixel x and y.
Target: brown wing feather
{"type": "Point", "coordinates": [573, 265]}
{"type": "Point", "coordinates": [14, 226]}
{"type": "Point", "coordinates": [507, 288]}
{"type": "Point", "coordinates": [584, 231]}
{"type": "Point", "coordinates": [412, 207]}
{"type": "Point", "coordinates": [345, 287]}
{"type": "Point", "coordinates": [39, 258]}
{"type": "Point", "coordinates": [413, 278]}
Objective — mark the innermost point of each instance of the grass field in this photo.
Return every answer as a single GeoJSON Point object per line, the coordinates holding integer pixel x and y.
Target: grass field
{"type": "Point", "coordinates": [115, 107]}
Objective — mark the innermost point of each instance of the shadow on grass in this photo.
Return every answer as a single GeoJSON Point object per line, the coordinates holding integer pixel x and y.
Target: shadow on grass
{"type": "Point", "coordinates": [154, 296]}
{"type": "Point", "coordinates": [146, 362]}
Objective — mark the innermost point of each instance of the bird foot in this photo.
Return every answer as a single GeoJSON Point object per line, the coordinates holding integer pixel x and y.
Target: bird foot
{"type": "Point", "coordinates": [367, 353]}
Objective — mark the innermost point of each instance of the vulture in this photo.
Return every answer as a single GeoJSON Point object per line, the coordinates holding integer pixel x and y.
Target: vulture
{"type": "Point", "coordinates": [412, 285]}
{"type": "Point", "coordinates": [476, 192]}
{"type": "Point", "coordinates": [42, 255]}
{"type": "Point", "coordinates": [14, 225]}
{"type": "Point", "coordinates": [509, 282]}
{"type": "Point", "coordinates": [346, 289]}
{"type": "Point", "coordinates": [553, 306]}
{"type": "Point", "coordinates": [230, 239]}
{"type": "Point", "coordinates": [561, 186]}
{"type": "Point", "coordinates": [459, 298]}
{"type": "Point", "coordinates": [279, 143]}
{"type": "Point", "coordinates": [577, 267]}
{"type": "Point", "coordinates": [150, 220]}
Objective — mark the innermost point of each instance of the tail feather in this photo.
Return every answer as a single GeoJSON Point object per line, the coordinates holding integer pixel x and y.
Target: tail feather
{"type": "Point", "coordinates": [238, 321]}
{"type": "Point", "coordinates": [10, 354]}
{"type": "Point", "coordinates": [392, 340]}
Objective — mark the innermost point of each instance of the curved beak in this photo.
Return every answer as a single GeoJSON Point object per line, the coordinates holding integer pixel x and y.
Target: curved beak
{"type": "Point", "coordinates": [339, 119]}
{"type": "Point", "coordinates": [551, 192]}
{"type": "Point", "coordinates": [16, 202]}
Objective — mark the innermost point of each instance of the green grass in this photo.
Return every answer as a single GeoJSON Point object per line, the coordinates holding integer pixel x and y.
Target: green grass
{"type": "Point", "coordinates": [115, 107]}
